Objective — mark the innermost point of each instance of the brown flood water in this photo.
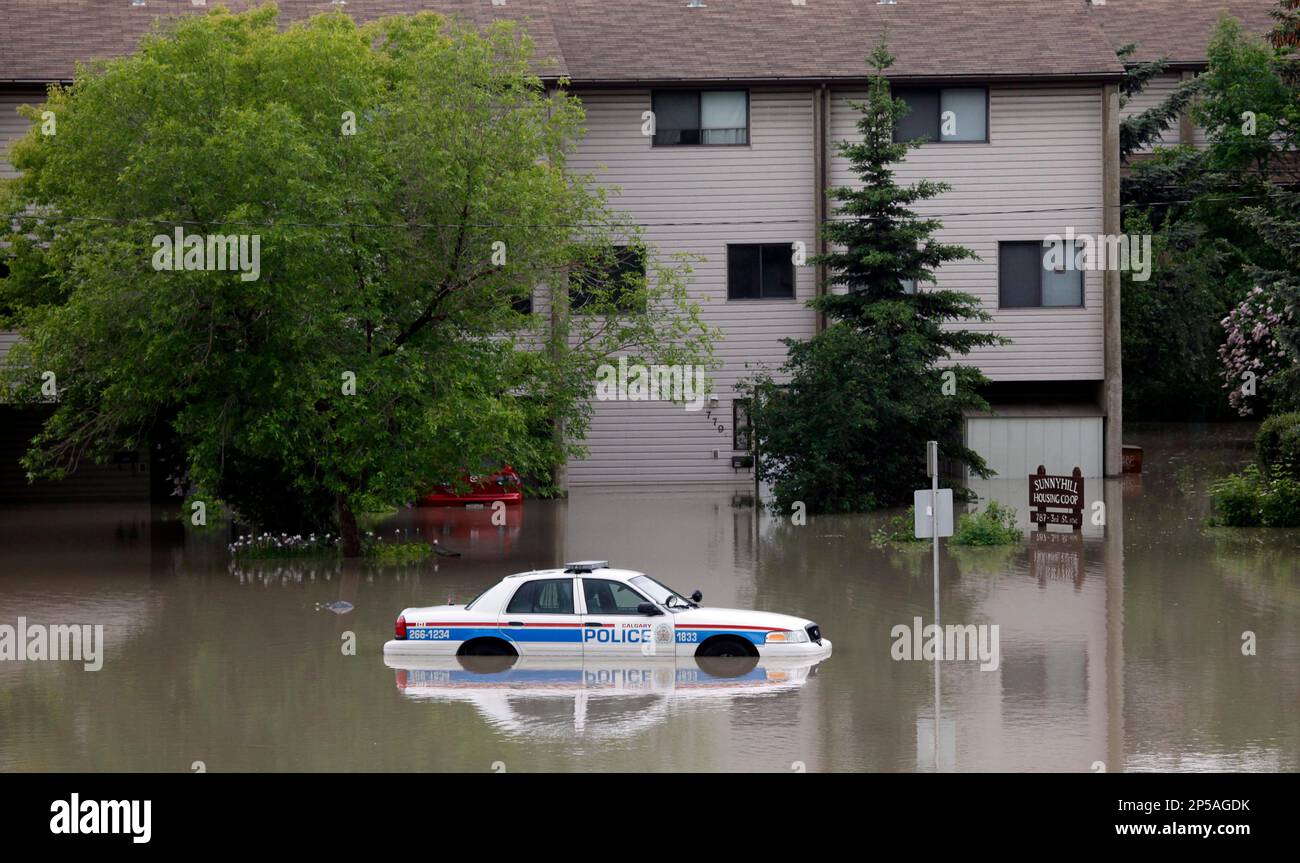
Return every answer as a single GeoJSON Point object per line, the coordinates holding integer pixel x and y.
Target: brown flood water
{"type": "Point", "coordinates": [1124, 648]}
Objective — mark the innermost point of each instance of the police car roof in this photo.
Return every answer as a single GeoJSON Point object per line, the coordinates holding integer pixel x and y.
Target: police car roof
{"type": "Point", "coordinates": [603, 572]}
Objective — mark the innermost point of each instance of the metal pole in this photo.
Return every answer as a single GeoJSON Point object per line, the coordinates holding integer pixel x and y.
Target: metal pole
{"type": "Point", "coordinates": [932, 462]}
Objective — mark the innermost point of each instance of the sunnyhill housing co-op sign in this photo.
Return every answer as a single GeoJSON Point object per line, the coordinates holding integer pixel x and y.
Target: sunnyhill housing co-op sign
{"type": "Point", "coordinates": [1056, 499]}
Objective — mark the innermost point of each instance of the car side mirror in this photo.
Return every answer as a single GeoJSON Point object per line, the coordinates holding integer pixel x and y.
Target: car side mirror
{"type": "Point", "coordinates": [697, 596]}
{"type": "Point", "coordinates": [649, 609]}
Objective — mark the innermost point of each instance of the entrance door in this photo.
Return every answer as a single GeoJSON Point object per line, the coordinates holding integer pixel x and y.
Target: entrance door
{"type": "Point", "coordinates": [613, 625]}
{"type": "Point", "coordinates": [541, 618]}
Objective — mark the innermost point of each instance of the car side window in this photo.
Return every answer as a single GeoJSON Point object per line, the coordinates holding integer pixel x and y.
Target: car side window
{"type": "Point", "coordinates": [543, 596]}
{"type": "Point", "coordinates": [610, 597]}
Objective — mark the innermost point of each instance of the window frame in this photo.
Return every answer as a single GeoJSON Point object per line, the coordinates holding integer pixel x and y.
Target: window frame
{"type": "Point", "coordinates": [897, 92]}
{"type": "Point", "coordinates": [505, 609]}
{"type": "Point", "coordinates": [1042, 246]}
{"type": "Point", "coordinates": [524, 305]}
{"type": "Point", "coordinates": [580, 308]}
{"type": "Point", "coordinates": [794, 274]}
{"type": "Point", "coordinates": [700, 91]}
{"type": "Point", "coordinates": [737, 407]}
{"type": "Point", "coordinates": [587, 611]}
{"type": "Point", "coordinates": [575, 307]}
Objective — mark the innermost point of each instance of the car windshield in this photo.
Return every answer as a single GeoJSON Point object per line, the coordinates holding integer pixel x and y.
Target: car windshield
{"type": "Point", "coordinates": [665, 596]}
{"type": "Point", "coordinates": [470, 604]}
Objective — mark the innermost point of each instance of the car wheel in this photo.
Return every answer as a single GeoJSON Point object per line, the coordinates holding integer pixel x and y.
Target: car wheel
{"type": "Point", "coordinates": [487, 647]}
{"type": "Point", "coordinates": [725, 647]}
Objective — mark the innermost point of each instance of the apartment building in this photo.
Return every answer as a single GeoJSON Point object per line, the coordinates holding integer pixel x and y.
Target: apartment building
{"type": "Point", "coordinates": [1018, 101]}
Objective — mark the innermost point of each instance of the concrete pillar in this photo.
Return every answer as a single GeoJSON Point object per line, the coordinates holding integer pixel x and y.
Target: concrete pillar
{"type": "Point", "coordinates": [1113, 556]}
{"type": "Point", "coordinates": [1186, 128]}
{"type": "Point", "coordinates": [1113, 386]}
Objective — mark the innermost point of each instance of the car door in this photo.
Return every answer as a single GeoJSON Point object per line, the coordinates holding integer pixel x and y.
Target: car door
{"type": "Point", "coordinates": [613, 626]}
{"type": "Point", "coordinates": [541, 618]}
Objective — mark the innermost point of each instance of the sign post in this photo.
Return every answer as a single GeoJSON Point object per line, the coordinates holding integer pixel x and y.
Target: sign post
{"type": "Point", "coordinates": [932, 518]}
{"type": "Point", "coordinates": [932, 468]}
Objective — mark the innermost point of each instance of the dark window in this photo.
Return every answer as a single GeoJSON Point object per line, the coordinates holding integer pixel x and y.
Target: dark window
{"type": "Point", "coordinates": [1026, 281]}
{"type": "Point", "coordinates": [523, 305]}
{"type": "Point", "coordinates": [760, 271]}
{"type": "Point", "coordinates": [608, 279]}
{"type": "Point", "coordinates": [694, 117]}
{"type": "Point", "coordinates": [610, 597]}
{"type": "Point", "coordinates": [922, 117]}
{"type": "Point", "coordinates": [740, 440]}
{"type": "Point", "coordinates": [543, 596]}
{"type": "Point", "coordinates": [5, 308]}
{"type": "Point", "coordinates": [944, 114]}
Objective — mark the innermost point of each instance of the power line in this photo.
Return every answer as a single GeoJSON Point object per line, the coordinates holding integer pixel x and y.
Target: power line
{"type": "Point", "coordinates": [147, 220]}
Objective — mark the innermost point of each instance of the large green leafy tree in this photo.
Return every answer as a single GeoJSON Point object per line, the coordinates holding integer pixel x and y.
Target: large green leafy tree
{"type": "Point", "coordinates": [1191, 201]}
{"type": "Point", "coordinates": [848, 430]}
{"type": "Point", "coordinates": [407, 183]}
{"type": "Point", "coordinates": [1263, 332]}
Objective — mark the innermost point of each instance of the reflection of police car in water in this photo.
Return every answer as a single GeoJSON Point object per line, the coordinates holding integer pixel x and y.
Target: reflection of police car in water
{"type": "Point", "coordinates": [588, 609]}
{"type": "Point", "coordinates": [605, 696]}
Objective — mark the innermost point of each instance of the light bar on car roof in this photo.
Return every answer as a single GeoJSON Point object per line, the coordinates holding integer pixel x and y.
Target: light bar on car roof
{"type": "Point", "coordinates": [586, 565]}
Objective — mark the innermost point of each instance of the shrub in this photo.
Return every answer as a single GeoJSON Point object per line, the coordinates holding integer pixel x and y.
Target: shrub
{"type": "Point", "coordinates": [1252, 499]}
{"type": "Point", "coordinates": [1236, 499]}
{"type": "Point", "coordinates": [996, 525]}
{"type": "Point", "coordinates": [898, 532]}
{"type": "Point", "coordinates": [1280, 503]}
{"type": "Point", "coordinates": [1277, 445]}
{"type": "Point", "coordinates": [214, 511]}
{"type": "Point", "coordinates": [398, 553]}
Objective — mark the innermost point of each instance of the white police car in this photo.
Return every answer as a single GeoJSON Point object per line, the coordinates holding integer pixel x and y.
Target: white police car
{"type": "Point", "coordinates": [588, 609]}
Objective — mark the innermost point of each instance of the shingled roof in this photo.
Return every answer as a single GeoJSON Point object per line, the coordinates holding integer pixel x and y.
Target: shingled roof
{"type": "Point", "coordinates": [620, 41]}
{"type": "Point", "coordinates": [661, 40]}
{"type": "Point", "coordinates": [1179, 30]}
{"type": "Point", "coordinates": [43, 40]}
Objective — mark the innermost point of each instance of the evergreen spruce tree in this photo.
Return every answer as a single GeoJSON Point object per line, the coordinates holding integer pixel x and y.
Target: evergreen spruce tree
{"type": "Point", "coordinates": [848, 431]}
{"type": "Point", "coordinates": [1146, 128]}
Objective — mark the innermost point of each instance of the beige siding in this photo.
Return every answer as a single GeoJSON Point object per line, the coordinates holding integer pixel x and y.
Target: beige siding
{"type": "Point", "coordinates": [1158, 89]}
{"type": "Point", "coordinates": [13, 126]}
{"type": "Point", "coordinates": [1039, 173]}
{"type": "Point", "coordinates": [757, 193]}
{"type": "Point", "coordinates": [7, 340]}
